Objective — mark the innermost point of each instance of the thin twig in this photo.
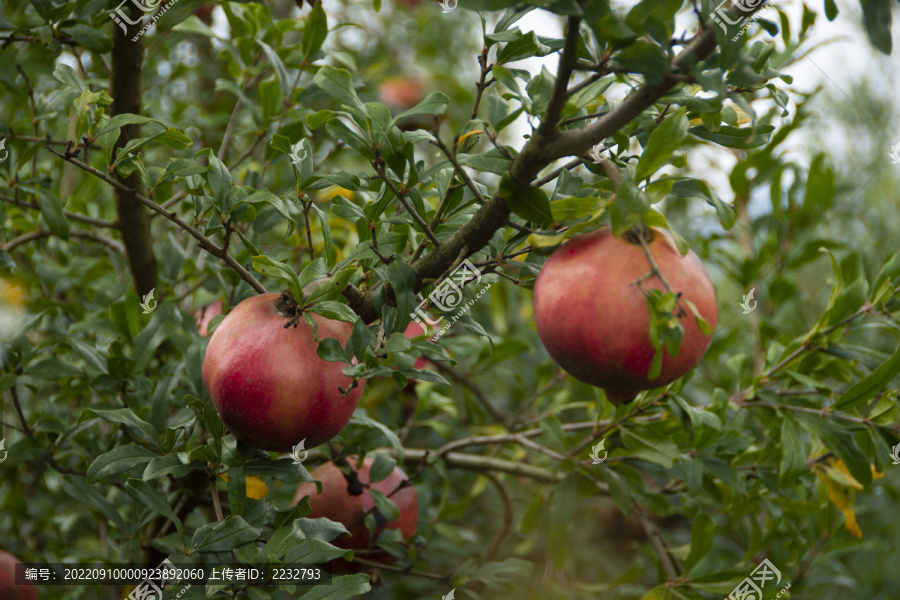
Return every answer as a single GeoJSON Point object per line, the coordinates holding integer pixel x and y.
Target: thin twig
{"type": "Point", "coordinates": [69, 215]}
{"type": "Point", "coordinates": [205, 242]}
{"type": "Point", "coordinates": [379, 168]}
{"type": "Point", "coordinates": [506, 526]}
{"type": "Point", "coordinates": [78, 233]}
{"type": "Point", "coordinates": [217, 503]}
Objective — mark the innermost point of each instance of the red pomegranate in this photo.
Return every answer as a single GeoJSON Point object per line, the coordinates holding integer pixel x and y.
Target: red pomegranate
{"type": "Point", "coordinates": [593, 318]}
{"type": "Point", "coordinates": [267, 382]}
{"type": "Point", "coordinates": [338, 504]}
{"type": "Point", "coordinates": [204, 316]}
{"type": "Point", "coordinates": [8, 588]}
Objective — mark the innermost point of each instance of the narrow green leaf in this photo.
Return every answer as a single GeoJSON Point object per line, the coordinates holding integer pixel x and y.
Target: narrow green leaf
{"type": "Point", "coordinates": [865, 389]}
{"type": "Point", "coordinates": [663, 142]}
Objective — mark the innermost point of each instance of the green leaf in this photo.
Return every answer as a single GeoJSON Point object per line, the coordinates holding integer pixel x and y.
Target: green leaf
{"type": "Point", "coordinates": [269, 198]}
{"type": "Point", "coordinates": [663, 142]}
{"type": "Point", "coordinates": [702, 533]}
{"type": "Point", "coordinates": [326, 233]}
{"type": "Point", "coordinates": [281, 73]}
{"type": "Point", "coordinates": [280, 271]}
{"type": "Point", "coordinates": [334, 310]}
{"type": "Point", "coordinates": [877, 18]}
{"type": "Point", "coordinates": [314, 31]}
{"type": "Point", "coordinates": [793, 459]}
{"type": "Point", "coordinates": [312, 551]}
{"type": "Point", "coordinates": [390, 436]}
{"type": "Point", "coordinates": [124, 416]}
{"type": "Point", "coordinates": [530, 202]}
{"type": "Point", "coordinates": [651, 446]}
{"type": "Point", "coordinates": [433, 104]}
{"type": "Point", "coordinates": [491, 161]}
{"type": "Point", "coordinates": [338, 83]}
{"type": "Point", "coordinates": [628, 207]}
{"type": "Point", "coordinates": [735, 137]}
{"type": "Point", "coordinates": [385, 506]}
{"type": "Point", "coordinates": [118, 460]}
{"type": "Point", "coordinates": [340, 588]}
{"type": "Point", "coordinates": [282, 541]}
{"type": "Point", "coordinates": [120, 121]}
{"type": "Point", "coordinates": [525, 46]}
{"type": "Point", "coordinates": [78, 489]}
{"type": "Point", "coordinates": [144, 493]}
{"type": "Point", "coordinates": [841, 441]}
{"type": "Point", "coordinates": [219, 179]}
{"type": "Point", "coordinates": [865, 389]}
{"type": "Point", "coordinates": [67, 75]}
{"type": "Point", "coordinates": [224, 536]}
{"type": "Point", "coordinates": [52, 210]}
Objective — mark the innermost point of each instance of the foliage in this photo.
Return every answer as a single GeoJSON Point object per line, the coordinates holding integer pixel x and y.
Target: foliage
{"type": "Point", "coordinates": [268, 162]}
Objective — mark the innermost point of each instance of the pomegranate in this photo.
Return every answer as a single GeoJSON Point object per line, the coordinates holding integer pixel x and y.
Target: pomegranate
{"type": "Point", "coordinates": [204, 316]}
{"type": "Point", "coordinates": [8, 588]}
{"type": "Point", "coordinates": [266, 381]}
{"type": "Point", "coordinates": [337, 503]}
{"type": "Point", "coordinates": [593, 318]}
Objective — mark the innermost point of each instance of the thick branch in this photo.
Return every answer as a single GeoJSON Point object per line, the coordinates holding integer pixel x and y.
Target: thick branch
{"type": "Point", "coordinates": [125, 90]}
{"type": "Point", "coordinates": [540, 151]}
{"type": "Point", "coordinates": [567, 62]}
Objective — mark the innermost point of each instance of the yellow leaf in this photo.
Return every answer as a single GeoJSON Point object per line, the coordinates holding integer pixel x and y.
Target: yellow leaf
{"type": "Point", "coordinates": [842, 502]}
{"type": "Point", "coordinates": [476, 132]}
{"type": "Point", "coordinates": [256, 487]}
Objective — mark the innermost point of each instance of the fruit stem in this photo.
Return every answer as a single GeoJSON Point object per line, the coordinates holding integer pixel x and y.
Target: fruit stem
{"type": "Point", "coordinates": [643, 234]}
{"type": "Point", "coordinates": [288, 307]}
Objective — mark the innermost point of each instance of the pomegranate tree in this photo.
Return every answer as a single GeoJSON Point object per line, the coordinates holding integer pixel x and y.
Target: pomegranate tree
{"type": "Point", "coordinates": [268, 383]}
{"type": "Point", "coordinates": [591, 311]}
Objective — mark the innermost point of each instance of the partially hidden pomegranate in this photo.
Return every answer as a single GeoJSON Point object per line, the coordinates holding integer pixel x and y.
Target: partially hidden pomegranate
{"type": "Point", "coordinates": [268, 383]}
{"type": "Point", "coordinates": [593, 318]}
{"type": "Point", "coordinates": [8, 588]}
{"type": "Point", "coordinates": [337, 503]}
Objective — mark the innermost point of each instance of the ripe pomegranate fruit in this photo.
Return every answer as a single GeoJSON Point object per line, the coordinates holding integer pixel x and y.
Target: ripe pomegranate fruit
{"type": "Point", "coordinates": [339, 504]}
{"type": "Point", "coordinates": [593, 318]}
{"type": "Point", "coordinates": [8, 588]}
{"type": "Point", "coordinates": [204, 316]}
{"type": "Point", "coordinates": [267, 382]}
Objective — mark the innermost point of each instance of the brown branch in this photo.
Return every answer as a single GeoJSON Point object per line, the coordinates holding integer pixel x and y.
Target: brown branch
{"type": "Point", "coordinates": [567, 61]}
{"type": "Point", "coordinates": [657, 542]}
{"type": "Point", "coordinates": [69, 215]}
{"type": "Point", "coordinates": [506, 527]}
{"type": "Point", "coordinates": [125, 90]}
{"type": "Point", "coordinates": [205, 242]}
{"type": "Point", "coordinates": [217, 503]}
{"type": "Point", "coordinates": [540, 151]}
{"type": "Point", "coordinates": [382, 174]}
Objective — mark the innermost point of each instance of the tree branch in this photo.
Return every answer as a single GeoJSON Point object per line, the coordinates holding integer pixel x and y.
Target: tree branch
{"type": "Point", "coordinates": [125, 90]}
{"type": "Point", "coordinates": [79, 233]}
{"type": "Point", "coordinates": [205, 242]}
{"type": "Point", "coordinates": [69, 215]}
{"type": "Point", "coordinates": [567, 61]}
